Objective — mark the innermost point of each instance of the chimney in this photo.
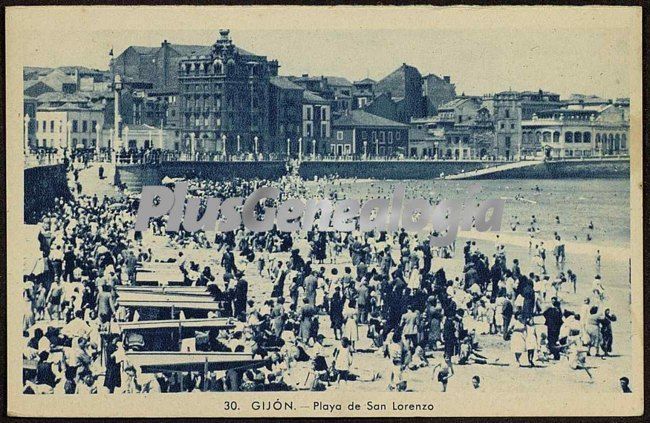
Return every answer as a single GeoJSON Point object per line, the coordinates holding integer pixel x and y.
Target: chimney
{"type": "Point", "coordinates": [447, 79]}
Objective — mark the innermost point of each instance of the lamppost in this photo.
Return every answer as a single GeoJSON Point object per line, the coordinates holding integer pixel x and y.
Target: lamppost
{"type": "Point", "coordinates": [299, 149]}
{"type": "Point", "coordinates": [26, 135]}
{"type": "Point", "coordinates": [365, 150]}
{"type": "Point", "coordinates": [67, 138]}
{"type": "Point", "coordinates": [111, 142]}
{"type": "Point", "coordinates": [160, 136]}
{"type": "Point", "coordinates": [98, 140]}
{"type": "Point", "coordinates": [223, 145]}
{"type": "Point", "coordinates": [117, 87]}
{"type": "Point", "coordinates": [256, 145]}
{"type": "Point", "coordinates": [238, 144]}
{"type": "Point", "coordinates": [126, 137]}
{"type": "Point", "coordinates": [313, 149]}
{"type": "Point", "coordinates": [192, 136]}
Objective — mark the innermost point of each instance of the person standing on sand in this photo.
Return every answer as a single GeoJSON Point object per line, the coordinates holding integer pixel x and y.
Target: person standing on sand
{"type": "Point", "coordinates": [606, 333]}
{"type": "Point", "coordinates": [518, 339]}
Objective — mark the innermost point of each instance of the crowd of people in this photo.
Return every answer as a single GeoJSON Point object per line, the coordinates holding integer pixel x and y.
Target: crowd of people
{"type": "Point", "coordinates": [333, 299]}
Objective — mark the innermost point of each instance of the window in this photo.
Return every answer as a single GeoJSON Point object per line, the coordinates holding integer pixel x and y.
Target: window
{"type": "Point", "coordinates": [374, 135]}
{"type": "Point", "coordinates": [308, 129]}
{"type": "Point", "coordinates": [339, 135]}
{"type": "Point", "coordinates": [308, 112]}
{"type": "Point", "coordinates": [568, 137]}
{"type": "Point", "coordinates": [512, 126]}
{"type": "Point", "coordinates": [348, 149]}
{"type": "Point", "coordinates": [503, 125]}
{"type": "Point", "coordinates": [507, 113]}
{"type": "Point", "coordinates": [84, 126]}
{"type": "Point", "coordinates": [624, 142]}
{"type": "Point", "coordinates": [398, 134]}
{"type": "Point", "coordinates": [323, 130]}
{"type": "Point", "coordinates": [74, 126]}
{"type": "Point", "coordinates": [94, 126]}
{"type": "Point", "coordinates": [577, 137]}
{"type": "Point", "coordinates": [44, 126]}
{"type": "Point", "coordinates": [382, 136]}
{"type": "Point", "coordinates": [507, 142]}
{"type": "Point", "coordinates": [586, 137]}
{"type": "Point", "coordinates": [323, 113]}
{"type": "Point", "coordinates": [364, 135]}
{"type": "Point", "coordinates": [390, 137]}
{"type": "Point", "coordinates": [51, 126]}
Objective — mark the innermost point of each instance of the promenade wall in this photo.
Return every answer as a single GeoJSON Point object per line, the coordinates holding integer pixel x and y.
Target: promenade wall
{"type": "Point", "coordinates": [389, 169]}
{"type": "Point", "coordinates": [572, 169]}
{"type": "Point", "coordinates": [137, 175]}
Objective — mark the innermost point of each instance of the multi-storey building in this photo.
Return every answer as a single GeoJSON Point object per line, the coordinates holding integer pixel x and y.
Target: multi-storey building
{"type": "Point", "coordinates": [404, 87]}
{"type": "Point", "coordinates": [69, 126]}
{"type": "Point", "coordinates": [506, 111]}
{"type": "Point", "coordinates": [364, 93]}
{"type": "Point", "coordinates": [437, 91]}
{"type": "Point", "coordinates": [360, 134]}
{"type": "Point", "coordinates": [579, 131]}
{"type": "Point", "coordinates": [224, 93]}
{"type": "Point", "coordinates": [285, 120]}
{"type": "Point", "coordinates": [316, 122]}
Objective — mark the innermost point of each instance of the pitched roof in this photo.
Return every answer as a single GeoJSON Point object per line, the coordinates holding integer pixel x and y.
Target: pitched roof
{"type": "Point", "coordinates": [338, 81]}
{"type": "Point", "coordinates": [187, 50]}
{"type": "Point", "coordinates": [144, 49]}
{"type": "Point", "coordinates": [454, 103]}
{"type": "Point", "coordinates": [363, 118]}
{"type": "Point", "coordinates": [284, 83]}
{"type": "Point", "coordinates": [365, 81]}
{"type": "Point", "coordinates": [57, 96]}
{"type": "Point", "coordinates": [311, 97]}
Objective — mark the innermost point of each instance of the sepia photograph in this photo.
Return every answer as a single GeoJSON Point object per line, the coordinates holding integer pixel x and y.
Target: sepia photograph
{"type": "Point", "coordinates": [348, 211]}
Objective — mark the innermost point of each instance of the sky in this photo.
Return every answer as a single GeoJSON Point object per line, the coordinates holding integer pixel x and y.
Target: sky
{"type": "Point", "coordinates": [484, 50]}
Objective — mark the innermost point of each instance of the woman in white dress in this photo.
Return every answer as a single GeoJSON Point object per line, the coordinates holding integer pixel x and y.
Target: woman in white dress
{"type": "Point", "coordinates": [531, 342]}
{"type": "Point", "coordinates": [351, 330]}
{"type": "Point", "coordinates": [518, 338]}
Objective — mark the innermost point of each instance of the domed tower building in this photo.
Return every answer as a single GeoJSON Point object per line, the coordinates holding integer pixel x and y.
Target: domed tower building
{"type": "Point", "coordinates": [224, 93]}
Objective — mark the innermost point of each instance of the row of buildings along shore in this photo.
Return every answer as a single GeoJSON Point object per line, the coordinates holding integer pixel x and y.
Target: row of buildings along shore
{"type": "Point", "coordinates": [221, 99]}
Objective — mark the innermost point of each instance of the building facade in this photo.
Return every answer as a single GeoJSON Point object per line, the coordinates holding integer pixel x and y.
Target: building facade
{"type": "Point", "coordinates": [362, 134]}
{"type": "Point", "coordinates": [69, 126]}
{"type": "Point", "coordinates": [579, 131]}
{"type": "Point", "coordinates": [404, 87]}
{"type": "Point", "coordinates": [437, 91]}
{"type": "Point", "coordinates": [507, 116]}
{"type": "Point", "coordinates": [286, 118]}
{"type": "Point", "coordinates": [316, 123]}
{"type": "Point", "coordinates": [224, 93]}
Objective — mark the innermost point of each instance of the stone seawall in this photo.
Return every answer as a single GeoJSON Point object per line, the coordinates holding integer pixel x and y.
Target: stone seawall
{"type": "Point", "coordinates": [576, 169]}
{"type": "Point", "coordinates": [389, 169]}
{"type": "Point", "coordinates": [137, 175]}
{"type": "Point", "coordinates": [43, 185]}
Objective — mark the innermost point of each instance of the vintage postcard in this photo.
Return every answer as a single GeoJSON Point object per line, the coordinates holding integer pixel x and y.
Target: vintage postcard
{"type": "Point", "coordinates": [266, 211]}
